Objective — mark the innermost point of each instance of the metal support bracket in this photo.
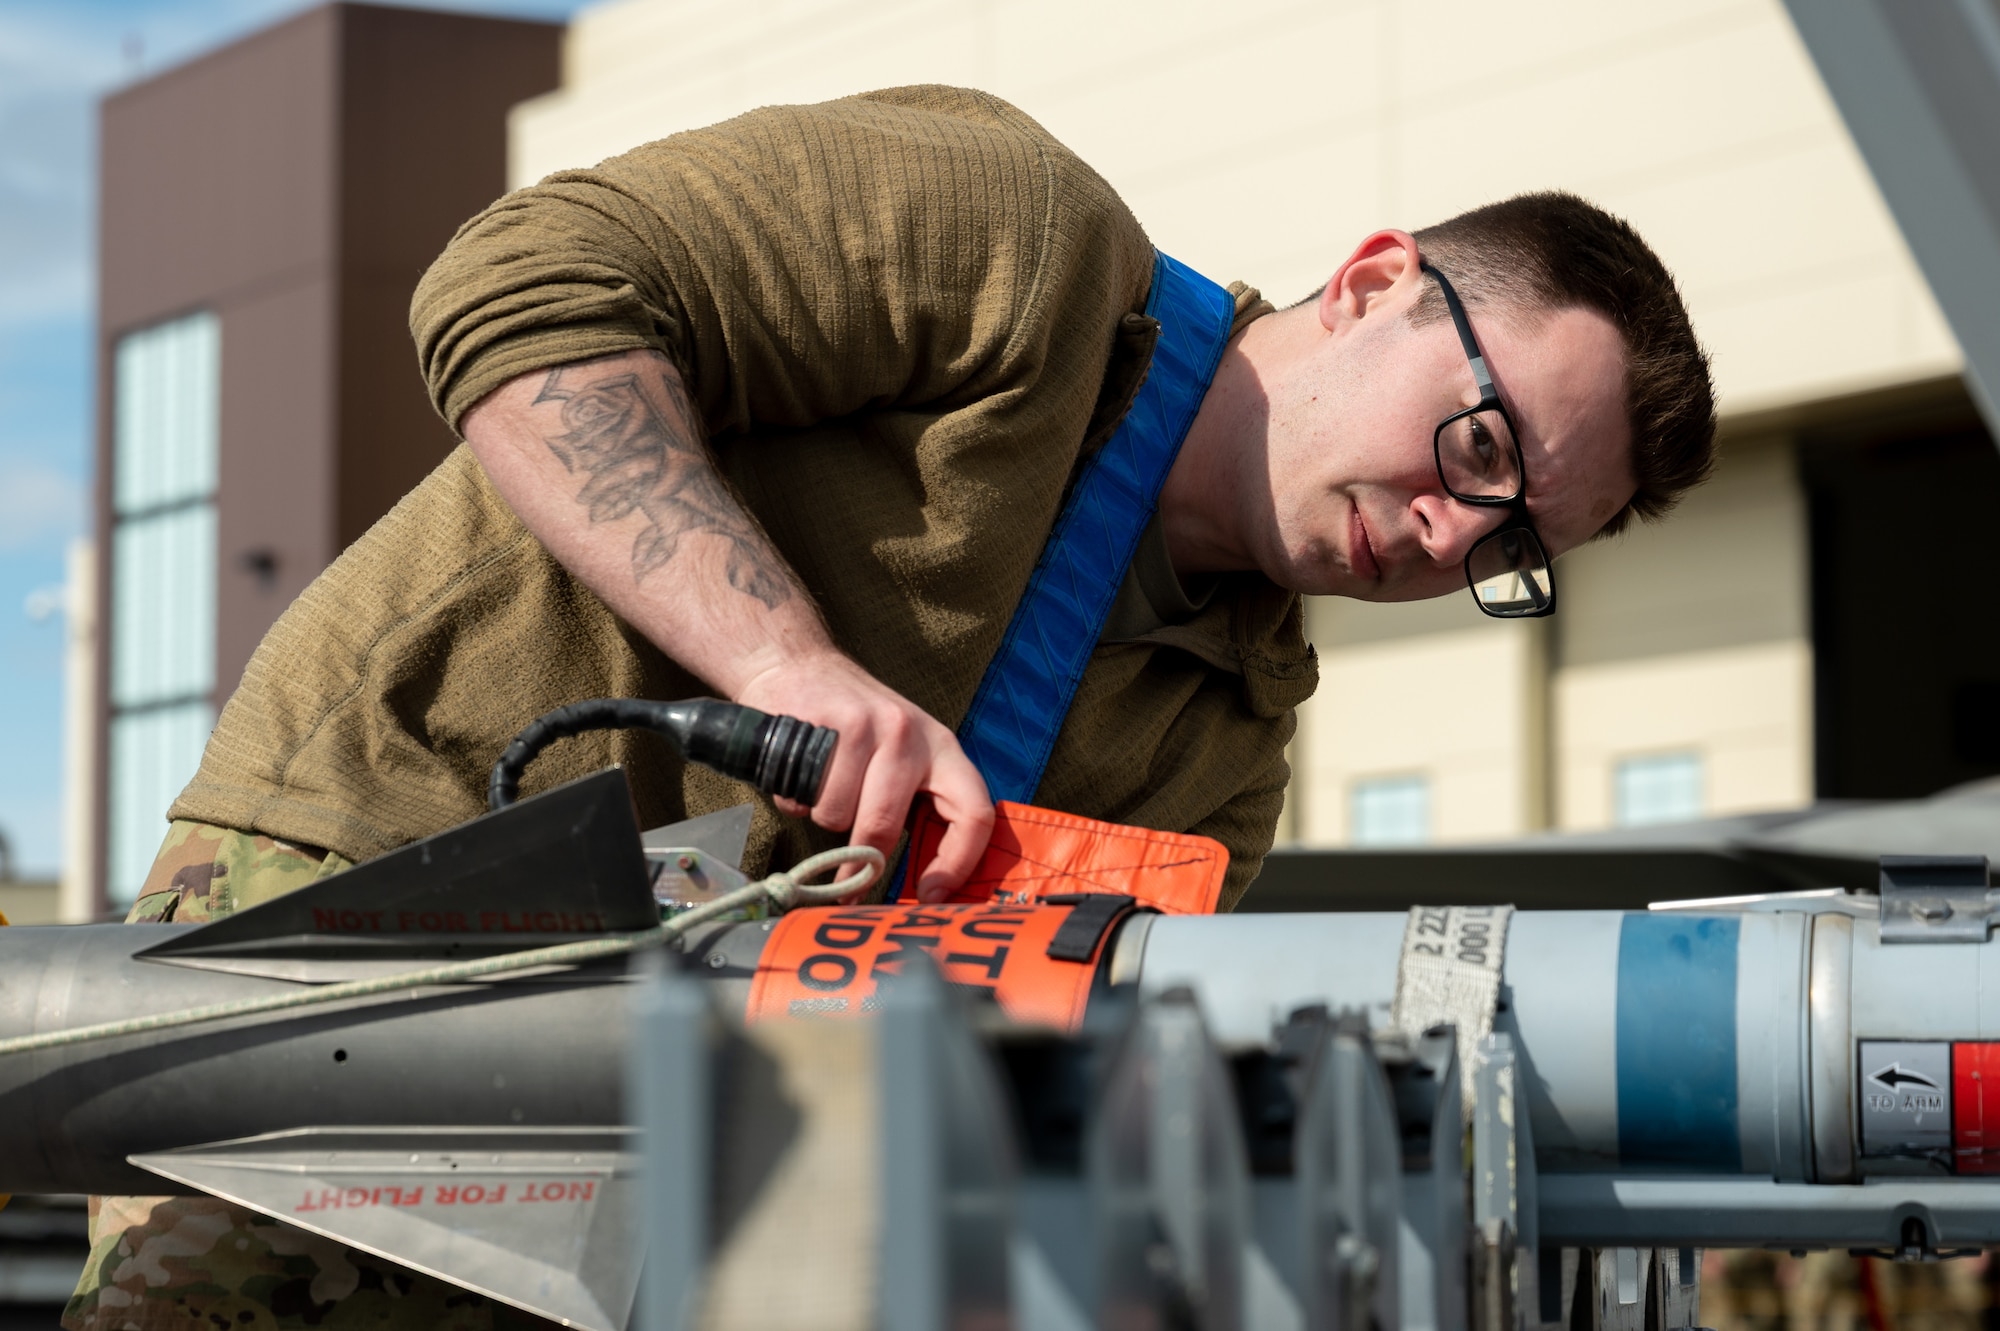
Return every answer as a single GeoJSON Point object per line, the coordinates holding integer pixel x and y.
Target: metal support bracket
{"type": "Point", "coordinates": [1935, 899]}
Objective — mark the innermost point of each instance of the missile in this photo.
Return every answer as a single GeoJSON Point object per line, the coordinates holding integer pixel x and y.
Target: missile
{"type": "Point", "coordinates": [1801, 1070]}
{"type": "Point", "coordinates": [1806, 1070]}
{"type": "Point", "coordinates": [474, 1131]}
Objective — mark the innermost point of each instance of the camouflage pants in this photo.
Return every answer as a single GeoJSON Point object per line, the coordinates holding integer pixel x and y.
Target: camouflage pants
{"type": "Point", "coordinates": [1747, 1290]}
{"type": "Point", "coordinates": [198, 1262]}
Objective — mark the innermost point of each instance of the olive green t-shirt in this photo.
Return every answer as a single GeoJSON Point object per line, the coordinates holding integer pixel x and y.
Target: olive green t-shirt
{"type": "Point", "coordinates": [904, 318]}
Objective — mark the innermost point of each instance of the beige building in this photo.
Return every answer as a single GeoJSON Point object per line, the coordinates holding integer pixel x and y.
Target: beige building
{"type": "Point", "coordinates": [1762, 647]}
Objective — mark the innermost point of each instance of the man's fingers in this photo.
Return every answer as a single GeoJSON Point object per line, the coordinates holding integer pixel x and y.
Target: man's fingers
{"type": "Point", "coordinates": [840, 793]}
{"type": "Point", "coordinates": [892, 782]}
{"type": "Point", "coordinates": [889, 750]}
{"type": "Point", "coordinates": [959, 793]}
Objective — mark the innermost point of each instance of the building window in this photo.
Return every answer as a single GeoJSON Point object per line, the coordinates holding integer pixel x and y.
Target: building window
{"type": "Point", "coordinates": [1392, 811]}
{"type": "Point", "coordinates": [165, 390]}
{"type": "Point", "coordinates": [1657, 788]}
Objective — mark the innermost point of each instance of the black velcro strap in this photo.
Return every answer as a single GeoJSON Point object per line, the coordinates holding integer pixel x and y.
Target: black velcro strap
{"type": "Point", "coordinates": [1091, 916]}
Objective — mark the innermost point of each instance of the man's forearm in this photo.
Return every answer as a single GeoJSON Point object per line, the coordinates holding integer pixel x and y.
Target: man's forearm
{"type": "Point", "coordinates": [635, 446]}
{"type": "Point", "coordinates": [606, 463]}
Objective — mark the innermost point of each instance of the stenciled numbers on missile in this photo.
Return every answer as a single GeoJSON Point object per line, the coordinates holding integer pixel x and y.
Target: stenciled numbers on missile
{"type": "Point", "coordinates": [1905, 1097]}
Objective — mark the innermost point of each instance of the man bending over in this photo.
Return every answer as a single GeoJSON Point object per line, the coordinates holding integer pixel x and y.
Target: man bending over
{"type": "Point", "coordinates": [785, 410]}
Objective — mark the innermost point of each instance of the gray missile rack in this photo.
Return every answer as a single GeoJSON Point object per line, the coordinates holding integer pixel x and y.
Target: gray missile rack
{"type": "Point", "coordinates": [1134, 1173]}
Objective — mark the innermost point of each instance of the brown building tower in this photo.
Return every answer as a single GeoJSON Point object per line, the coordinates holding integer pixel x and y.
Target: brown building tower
{"type": "Point", "coordinates": [266, 211]}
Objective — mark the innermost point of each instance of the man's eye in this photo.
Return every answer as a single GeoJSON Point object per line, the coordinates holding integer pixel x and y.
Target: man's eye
{"type": "Point", "coordinates": [1483, 443]}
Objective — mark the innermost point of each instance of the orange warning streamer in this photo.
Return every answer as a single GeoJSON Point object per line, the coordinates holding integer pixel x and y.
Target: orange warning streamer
{"type": "Point", "coordinates": [994, 933]}
{"type": "Point", "coordinates": [1036, 853]}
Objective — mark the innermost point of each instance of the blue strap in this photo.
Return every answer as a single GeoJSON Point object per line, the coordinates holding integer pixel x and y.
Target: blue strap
{"type": "Point", "coordinates": [1015, 716]}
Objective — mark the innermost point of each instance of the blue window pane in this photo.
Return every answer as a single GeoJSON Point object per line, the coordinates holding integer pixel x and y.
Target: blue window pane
{"type": "Point", "coordinates": [163, 607]}
{"type": "Point", "coordinates": [166, 386]}
{"type": "Point", "coordinates": [1658, 788]}
{"type": "Point", "coordinates": [153, 754]}
{"type": "Point", "coordinates": [1392, 811]}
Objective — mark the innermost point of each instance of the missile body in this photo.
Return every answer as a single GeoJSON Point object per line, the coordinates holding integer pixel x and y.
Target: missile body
{"type": "Point", "coordinates": [1770, 1077]}
{"type": "Point", "coordinates": [536, 1049]}
{"type": "Point", "coordinates": [1644, 1048]}
{"type": "Point", "coordinates": [1765, 1073]}
{"type": "Point", "coordinates": [544, 1050]}
{"type": "Point", "coordinates": [1665, 1052]}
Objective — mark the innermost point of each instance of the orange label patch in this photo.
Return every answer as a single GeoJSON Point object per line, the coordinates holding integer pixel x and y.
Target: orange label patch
{"type": "Point", "coordinates": [1035, 853]}
{"type": "Point", "coordinates": [828, 963]}
{"type": "Point", "coordinates": [994, 933]}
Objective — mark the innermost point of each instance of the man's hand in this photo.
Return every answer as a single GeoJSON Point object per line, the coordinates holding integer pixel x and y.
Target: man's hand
{"type": "Point", "coordinates": [606, 463]}
{"type": "Point", "coordinates": [890, 750]}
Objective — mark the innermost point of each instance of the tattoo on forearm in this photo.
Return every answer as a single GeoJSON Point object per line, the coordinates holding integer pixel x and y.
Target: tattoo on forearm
{"type": "Point", "coordinates": [637, 458]}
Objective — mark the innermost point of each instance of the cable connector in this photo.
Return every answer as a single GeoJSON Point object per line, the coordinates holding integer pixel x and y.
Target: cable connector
{"type": "Point", "coordinates": [779, 755]}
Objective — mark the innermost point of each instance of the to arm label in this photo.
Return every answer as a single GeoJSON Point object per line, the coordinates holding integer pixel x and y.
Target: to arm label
{"type": "Point", "coordinates": [1905, 1097]}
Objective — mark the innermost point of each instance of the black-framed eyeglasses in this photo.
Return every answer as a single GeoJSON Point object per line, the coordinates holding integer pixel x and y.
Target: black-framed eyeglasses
{"type": "Point", "coordinates": [1479, 460]}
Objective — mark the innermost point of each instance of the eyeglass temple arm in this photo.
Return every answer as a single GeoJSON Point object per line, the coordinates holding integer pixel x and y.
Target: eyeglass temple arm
{"type": "Point", "coordinates": [1543, 602]}
{"type": "Point", "coordinates": [1535, 592]}
{"type": "Point", "coordinates": [1464, 327]}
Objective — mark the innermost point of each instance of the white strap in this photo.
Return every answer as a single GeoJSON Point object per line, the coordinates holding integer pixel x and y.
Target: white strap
{"type": "Point", "coordinates": [1449, 971]}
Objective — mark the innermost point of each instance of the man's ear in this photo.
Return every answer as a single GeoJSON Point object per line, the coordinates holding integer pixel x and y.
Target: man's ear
{"type": "Point", "coordinates": [1381, 276]}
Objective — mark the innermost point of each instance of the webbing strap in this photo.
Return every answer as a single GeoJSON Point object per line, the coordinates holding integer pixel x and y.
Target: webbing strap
{"type": "Point", "coordinates": [1090, 918]}
{"type": "Point", "coordinates": [1449, 973]}
{"type": "Point", "coordinates": [1012, 724]}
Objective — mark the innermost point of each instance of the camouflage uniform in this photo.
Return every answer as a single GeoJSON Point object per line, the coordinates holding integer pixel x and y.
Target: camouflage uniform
{"type": "Point", "coordinates": [199, 1262]}
{"type": "Point", "coordinates": [1754, 1290]}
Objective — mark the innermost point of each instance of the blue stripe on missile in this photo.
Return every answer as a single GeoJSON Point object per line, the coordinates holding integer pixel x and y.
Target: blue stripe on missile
{"type": "Point", "coordinates": [1677, 1041]}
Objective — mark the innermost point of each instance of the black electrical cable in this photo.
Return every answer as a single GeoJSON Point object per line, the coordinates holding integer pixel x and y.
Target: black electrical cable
{"type": "Point", "coordinates": [780, 755]}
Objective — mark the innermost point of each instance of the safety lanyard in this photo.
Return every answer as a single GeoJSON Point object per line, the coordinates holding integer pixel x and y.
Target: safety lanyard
{"type": "Point", "coordinates": [1015, 716]}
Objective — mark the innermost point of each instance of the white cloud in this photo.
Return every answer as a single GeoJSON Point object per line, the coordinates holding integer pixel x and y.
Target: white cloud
{"type": "Point", "coordinates": [59, 47]}
{"type": "Point", "coordinates": [57, 288]}
{"type": "Point", "coordinates": [48, 76]}
{"type": "Point", "coordinates": [39, 505]}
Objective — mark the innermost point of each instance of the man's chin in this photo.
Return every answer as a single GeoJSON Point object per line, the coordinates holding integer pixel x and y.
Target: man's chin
{"type": "Point", "coordinates": [1400, 594]}
{"type": "Point", "coordinates": [1338, 581]}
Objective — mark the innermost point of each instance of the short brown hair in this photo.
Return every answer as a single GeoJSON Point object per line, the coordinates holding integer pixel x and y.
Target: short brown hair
{"type": "Point", "coordinates": [1555, 251]}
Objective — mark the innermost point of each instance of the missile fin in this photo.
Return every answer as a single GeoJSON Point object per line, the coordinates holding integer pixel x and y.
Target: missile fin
{"type": "Point", "coordinates": [542, 1219]}
{"type": "Point", "coordinates": [722, 834]}
{"type": "Point", "coordinates": [564, 864]}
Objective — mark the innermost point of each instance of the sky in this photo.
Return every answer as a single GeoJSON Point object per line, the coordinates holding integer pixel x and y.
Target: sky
{"type": "Point", "coordinates": [57, 58]}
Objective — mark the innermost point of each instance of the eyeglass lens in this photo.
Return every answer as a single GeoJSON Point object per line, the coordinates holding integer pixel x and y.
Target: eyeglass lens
{"type": "Point", "coordinates": [1478, 456]}
{"type": "Point", "coordinates": [1509, 572]}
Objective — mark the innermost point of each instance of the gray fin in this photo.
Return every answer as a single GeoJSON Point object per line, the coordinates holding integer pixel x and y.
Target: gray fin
{"type": "Point", "coordinates": [563, 864]}
{"type": "Point", "coordinates": [721, 835]}
{"type": "Point", "coordinates": [543, 1219]}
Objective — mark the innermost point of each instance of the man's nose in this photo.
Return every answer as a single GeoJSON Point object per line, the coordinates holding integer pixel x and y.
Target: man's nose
{"type": "Point", "coordinates": [1449, 529]}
